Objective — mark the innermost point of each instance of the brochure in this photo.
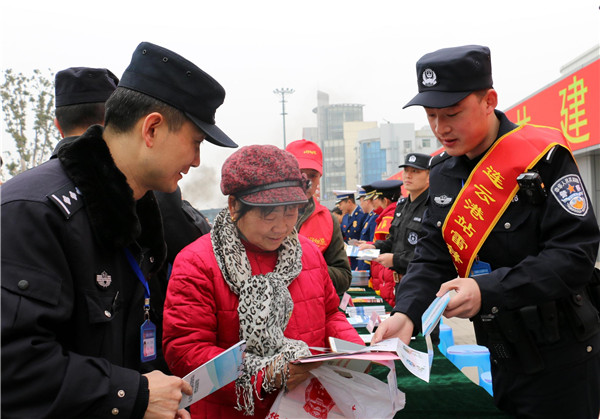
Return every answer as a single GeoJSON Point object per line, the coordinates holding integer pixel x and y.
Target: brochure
{"type": "Point", "coordinates": [214, 374]}
{"type": "Point", "coordinates": [433, 314]}
{"type": "Point", "coordinates": [367, 254]}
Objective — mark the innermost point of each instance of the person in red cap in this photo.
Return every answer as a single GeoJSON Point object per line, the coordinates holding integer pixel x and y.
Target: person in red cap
{"type": "Point", "coordinates": [252, 278]}
{"type": "Point", "coordinates": [316, 222]}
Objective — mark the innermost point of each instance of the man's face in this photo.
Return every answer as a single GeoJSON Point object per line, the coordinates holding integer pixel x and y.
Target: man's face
{"type": "Point", "coordinates": [172, 156]}
{"type": "Point", "coordinates": [315, 179]}
{"type": "Point", "coordinates": [465, 129]}
{"type": "Point", "coordinates": [366, 205]}
{"type": "Point", "coordinates": [346, 206]}
{"type": "Point", "coordinates": [415, 180]}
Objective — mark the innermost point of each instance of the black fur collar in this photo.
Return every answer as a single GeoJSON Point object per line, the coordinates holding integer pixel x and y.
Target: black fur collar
{"type": "Point", "coordinates": [117, 220]}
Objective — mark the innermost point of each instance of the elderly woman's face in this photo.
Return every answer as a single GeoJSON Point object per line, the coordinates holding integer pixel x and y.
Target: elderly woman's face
{"type": "Point", "coordinates": [267, 231]}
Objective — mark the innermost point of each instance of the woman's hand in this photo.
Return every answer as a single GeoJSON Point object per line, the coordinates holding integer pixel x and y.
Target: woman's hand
{"type": "Point", "coordinates": [298, 373]}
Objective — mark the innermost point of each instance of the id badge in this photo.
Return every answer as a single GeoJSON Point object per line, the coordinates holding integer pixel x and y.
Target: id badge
{"type": "Point", "coordinates": [148, 341]}
{"type": "Point", "coordinates": [480, 268]}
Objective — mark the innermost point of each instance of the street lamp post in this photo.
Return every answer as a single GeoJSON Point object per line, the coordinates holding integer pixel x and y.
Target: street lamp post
{"type": "Point", "coordinates": [283, 92]}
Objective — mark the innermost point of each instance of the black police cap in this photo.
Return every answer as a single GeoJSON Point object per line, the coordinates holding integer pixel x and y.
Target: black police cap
{"type": "Point", "coordinates": [77, 85]}
{"type": "Point", "coordinates": [170, 78]}
{"type": "Point", "coordinates": [417, 160]}
{"type": "Point", "coordinates": [447, 76]}
{"type": "Point", "coordinates": [386, 185]}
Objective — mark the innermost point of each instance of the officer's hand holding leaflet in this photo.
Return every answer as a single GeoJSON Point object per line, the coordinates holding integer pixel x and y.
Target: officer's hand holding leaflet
{"type": "Point", "coordinates": [397, 326]}
{"type": "Point", "coordinates": [386, 260]}
{"type": "Point", "coordinates": [365, 245]}
{"type": "Point", "coordinates": [165, 395]}
{"type": "Point", "coordinates": [466, 302]}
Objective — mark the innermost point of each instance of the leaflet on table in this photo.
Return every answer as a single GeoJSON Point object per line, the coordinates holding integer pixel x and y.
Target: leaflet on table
{"type": "Point", "coordinates": [366, 254]}
{"type": "Point", "coordinates": [214, 374]}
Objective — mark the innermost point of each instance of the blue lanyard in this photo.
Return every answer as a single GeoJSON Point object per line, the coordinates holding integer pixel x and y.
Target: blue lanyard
{"type": "Point", "coordinates": [140, 275]}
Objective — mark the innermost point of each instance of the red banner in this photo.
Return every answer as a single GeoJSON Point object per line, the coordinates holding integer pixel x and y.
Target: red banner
{"type": "Point", "coordinates": [572, 105]}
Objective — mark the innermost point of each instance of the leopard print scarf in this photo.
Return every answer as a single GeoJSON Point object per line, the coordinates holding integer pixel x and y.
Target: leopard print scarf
{"type": "Point", "coordinates": [265, 307]}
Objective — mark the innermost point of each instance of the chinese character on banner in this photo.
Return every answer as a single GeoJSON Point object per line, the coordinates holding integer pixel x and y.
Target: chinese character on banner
{"type": "Point", "coordinates": [573, 111]}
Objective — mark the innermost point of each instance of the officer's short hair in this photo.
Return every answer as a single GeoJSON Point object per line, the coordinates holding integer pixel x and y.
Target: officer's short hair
{"type": "Point", "coordinates": [125, 107]}
{"type": "Point", "coordinates": [82, 115]}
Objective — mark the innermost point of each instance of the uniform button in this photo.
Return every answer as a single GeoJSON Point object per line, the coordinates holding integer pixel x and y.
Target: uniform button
{"type": "Point", "coordinates": [494, 310]}
{"type": "Point", "coordinates": [589, 348]}
{"type": "Point", "coordinates": [151, 259]}
{"type": "Point", "coordinates": [507, 225]}
{"type": "Point", "coordinates": [23, 284]}
{"type": "Point", "coordinates": [115, 411]}
{"type": "Point", "coordinates": [439, 224]}
{"type": "Point", "coordinates": [121, 393]}
{"type": "Point", "coordinates": [107, 314]}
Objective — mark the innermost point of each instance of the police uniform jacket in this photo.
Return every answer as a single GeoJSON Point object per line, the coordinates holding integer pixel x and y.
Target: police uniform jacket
{"type": "Point", "coordinates": [404, 231]}
{"type": "Point", "coordinates": [353, 223]}
{"type": "Point", "coordinates": [538, 253]}
{"type": "Point", "coordinates": [72, 305]}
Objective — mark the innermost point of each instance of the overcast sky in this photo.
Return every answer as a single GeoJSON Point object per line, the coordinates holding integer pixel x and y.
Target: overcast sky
{"type": "Point", "coordinates": [357, 51]}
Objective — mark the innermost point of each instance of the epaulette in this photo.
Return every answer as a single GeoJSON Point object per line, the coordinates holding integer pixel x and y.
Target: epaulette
{"type": "Point", "coordinates": [550, 155]}
{"type": "Point", "coordinates": [438, 158]}
{"type": "Point", "coordinates": [68, 199]}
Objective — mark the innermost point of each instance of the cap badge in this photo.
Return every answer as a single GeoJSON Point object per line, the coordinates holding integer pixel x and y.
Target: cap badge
{"type": "Point", "coordinates": [429, 78]}
{"type": "Point", "coordinates": [104, 279]}
{"type": "Point", "coordinates": [412, 159]}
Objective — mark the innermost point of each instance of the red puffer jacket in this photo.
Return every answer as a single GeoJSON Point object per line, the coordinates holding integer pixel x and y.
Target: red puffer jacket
{"type": "Point", "coordinates": [201, 318]}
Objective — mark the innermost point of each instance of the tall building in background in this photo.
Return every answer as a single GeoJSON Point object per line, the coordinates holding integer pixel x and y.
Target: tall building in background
{"type": "Point", "coordinates": [382, 149]}
{"type": "Point", "coordinates": [330, 129]}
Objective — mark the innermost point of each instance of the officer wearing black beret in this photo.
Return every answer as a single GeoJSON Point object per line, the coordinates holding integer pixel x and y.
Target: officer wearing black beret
{"type": "Point", "coordinates": [510, 227]}
{"type": "Point", "coordinates": [82, 251]}
{"type": "Point", "coordinates": [79, 95]}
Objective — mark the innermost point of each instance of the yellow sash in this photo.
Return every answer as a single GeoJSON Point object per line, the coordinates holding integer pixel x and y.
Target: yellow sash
{"type": "Point", "coordinates": [491, 187]}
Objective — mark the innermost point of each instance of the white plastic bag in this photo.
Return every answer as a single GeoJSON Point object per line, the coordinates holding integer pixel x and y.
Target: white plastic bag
{"type": "Point", "coordinates": [336, 393]}
{"type": "Point", "coordinates": [359, 395]}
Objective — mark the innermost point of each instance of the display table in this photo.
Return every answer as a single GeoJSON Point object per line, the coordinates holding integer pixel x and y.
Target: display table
{"type": "Point", "coordinates": [449, 393]}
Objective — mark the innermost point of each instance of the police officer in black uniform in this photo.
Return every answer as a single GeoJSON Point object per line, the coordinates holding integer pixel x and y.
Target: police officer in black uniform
{"type": "Point", "coordinates": [397, 250]}
{"type": "Point", "coordinates": [80, 94]}
{"type": "Point", "coordinates": [82, 250]}
{"type": "Point", "coordinates": [534, 296]}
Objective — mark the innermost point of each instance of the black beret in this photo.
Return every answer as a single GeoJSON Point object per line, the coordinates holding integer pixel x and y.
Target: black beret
{"type": "Point", "coordinates": [170, 78]}
{"type": "Point", "coordinates": [77, 85]}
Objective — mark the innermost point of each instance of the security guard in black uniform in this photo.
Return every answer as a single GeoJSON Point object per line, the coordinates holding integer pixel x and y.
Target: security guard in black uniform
{"type": "Point", "coordinates": [533, 292]}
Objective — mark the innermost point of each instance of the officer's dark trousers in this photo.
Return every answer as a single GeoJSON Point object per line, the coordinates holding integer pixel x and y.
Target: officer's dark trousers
{"type": "Point", "coordinates": [568, 392]}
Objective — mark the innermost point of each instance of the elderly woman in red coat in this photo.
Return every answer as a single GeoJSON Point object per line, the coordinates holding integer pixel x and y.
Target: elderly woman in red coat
{"type": "Point", "coordinates": [252, 278]}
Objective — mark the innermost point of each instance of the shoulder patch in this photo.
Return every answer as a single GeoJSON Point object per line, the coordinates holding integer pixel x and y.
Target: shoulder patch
{"type": "Point", "coordinates": [68, 199]}
{"type": "Point", "coordinates": [438, 158]}
{"type": "Point", "coordinates": [570, 194]}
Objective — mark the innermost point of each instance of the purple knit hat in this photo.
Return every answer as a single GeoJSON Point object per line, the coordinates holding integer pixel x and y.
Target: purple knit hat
{"type": "Point", "coordinates": [263, 175]}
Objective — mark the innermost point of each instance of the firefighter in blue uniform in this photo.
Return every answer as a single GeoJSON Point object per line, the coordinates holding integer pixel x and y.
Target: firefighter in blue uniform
{"type": "Point", "coordinates": [366, 194]}
{"type": "Point", "coordinates": [352, 221]}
